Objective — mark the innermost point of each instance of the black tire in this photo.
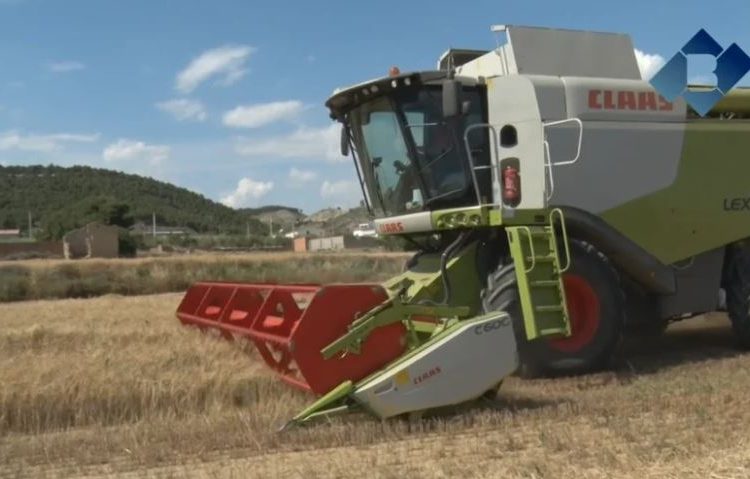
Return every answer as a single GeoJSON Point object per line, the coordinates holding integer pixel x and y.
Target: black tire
{"type": "Point", "coordinates": [737, 287]}
{"type": "Point", "coordinates": [501, 294]}
{"type": "Point", "coordinates": [544, 357]}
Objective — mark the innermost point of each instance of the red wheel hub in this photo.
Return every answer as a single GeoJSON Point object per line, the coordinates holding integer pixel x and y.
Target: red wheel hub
{"type": "Point", "coordinates": [584, 312]}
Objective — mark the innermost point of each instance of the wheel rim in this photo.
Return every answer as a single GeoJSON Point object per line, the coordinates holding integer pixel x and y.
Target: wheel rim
{"type": "Point", "coordinates": [584, 313]}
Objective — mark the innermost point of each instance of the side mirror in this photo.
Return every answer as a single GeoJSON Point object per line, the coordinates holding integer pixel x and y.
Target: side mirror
{"type": "Point", "coordinates": [344, 140]}
{"type": "Point", "coordinates": [452, 102]}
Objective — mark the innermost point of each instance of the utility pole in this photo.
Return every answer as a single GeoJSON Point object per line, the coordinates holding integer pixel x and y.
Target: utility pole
{"type": "Point", "coordinates": [247, 230]}
{"type": "Point", "coordinates": [270, 226]}
{"type": "Point", "coordinates": [29, 224]}
{"type": "Point", "coordinates": [153, 224]}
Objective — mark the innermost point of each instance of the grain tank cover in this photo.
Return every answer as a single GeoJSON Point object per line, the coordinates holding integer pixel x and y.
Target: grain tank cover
{"type": "Point", "coordinates": [556, 52]}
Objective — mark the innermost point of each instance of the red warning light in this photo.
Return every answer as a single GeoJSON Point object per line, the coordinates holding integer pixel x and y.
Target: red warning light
{"type": "Point", "coordinates": [394, 71]}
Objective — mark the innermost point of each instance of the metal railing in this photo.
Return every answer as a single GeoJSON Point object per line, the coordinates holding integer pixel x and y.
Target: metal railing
{"type": "Point", "coordinates": [473, 167]}
{"type": "Point", "coordinates": [548, 163]}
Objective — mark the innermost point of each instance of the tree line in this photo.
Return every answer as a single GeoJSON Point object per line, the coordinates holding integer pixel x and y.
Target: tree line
{"type": "Point", "coordinates": [63, 198]}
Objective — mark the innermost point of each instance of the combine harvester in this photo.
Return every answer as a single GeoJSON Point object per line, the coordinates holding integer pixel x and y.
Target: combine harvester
{"type": "Point", "coordinates": [556, 200]}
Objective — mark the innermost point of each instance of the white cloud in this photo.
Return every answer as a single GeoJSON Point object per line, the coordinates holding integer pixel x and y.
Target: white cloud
{"type": "Point", "coordinates": [227, 62]}
{"type": "Point", "coordinates": [338, 189]}
{"type": "Point", "coordinates": [310, 143]}
{"type": "Point", "coordinates": [301, 176]}
{"type": "Point", "coordinates": [247, 191]}
{"type": "Point", "coordinates": [14, 140]}
{"type": "Point", "coordinates": [65, 66]}
{"type": "Point", "coordinates": [133, 150]}
{"type": "Point", "coordinates": [183, 109]}
{"type": "Point", "coordinates": [74, 137]}
{"type": "Point", "coordinates": [648, 63]}
{"type": "Point", "coordinates": [253, 116]}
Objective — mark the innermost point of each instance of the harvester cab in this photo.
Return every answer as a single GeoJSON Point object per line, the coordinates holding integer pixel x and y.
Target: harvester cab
{"type": "Point", "coordinates": [477, 164]}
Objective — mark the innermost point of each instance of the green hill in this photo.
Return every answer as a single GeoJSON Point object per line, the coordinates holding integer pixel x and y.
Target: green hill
{"type": "Point", "coordinates": [270, 209]}
{"type": "Point", "coordinates": [59, 197]}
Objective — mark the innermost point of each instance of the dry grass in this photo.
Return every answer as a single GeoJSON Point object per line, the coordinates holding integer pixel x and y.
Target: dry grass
{"type": "Point", "coordinates": [207, 257]}
{"type": "Point", "coordinates": [57, 279]}
{"type": "Point", "coordinates": [114, 386]}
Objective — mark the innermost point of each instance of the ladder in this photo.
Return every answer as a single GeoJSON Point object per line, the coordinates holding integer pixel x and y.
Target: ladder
{"type": "Point", "coordinates": [535, 250]}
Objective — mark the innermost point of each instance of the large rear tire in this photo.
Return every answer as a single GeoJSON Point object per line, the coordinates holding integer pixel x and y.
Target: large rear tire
{"type": "Point", "coordinates": [596, 306]}
{"type": "Point", "coordinates": [737, 287]}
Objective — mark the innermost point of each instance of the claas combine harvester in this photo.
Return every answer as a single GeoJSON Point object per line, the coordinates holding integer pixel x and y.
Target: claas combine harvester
{"type": "Point", "coordinates": [556, 200]}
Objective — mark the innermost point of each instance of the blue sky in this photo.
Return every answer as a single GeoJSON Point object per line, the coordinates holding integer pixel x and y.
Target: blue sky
{"type": "Point", "coordinates": [225, 97]}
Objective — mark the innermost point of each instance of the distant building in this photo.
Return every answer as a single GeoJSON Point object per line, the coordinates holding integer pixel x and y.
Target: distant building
{"type": "Point", "coordinates": [145, 230]}
{"type": "Point", "coordinates": [334, 243]}
{"type": "Point", "coordinates": [94, 240]}
{"type": "Point", "coordinates": [299, 245]}
{"type": "Point", "coordinates": [326, 244]}
{"type": "Point", "coordinates": [309, 230]}
{"type": "Point", "coordinates": [10, 233]}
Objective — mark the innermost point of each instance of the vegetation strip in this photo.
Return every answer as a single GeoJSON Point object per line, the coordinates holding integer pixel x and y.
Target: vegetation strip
{"type": "Point", "coordinates": [20, 281]}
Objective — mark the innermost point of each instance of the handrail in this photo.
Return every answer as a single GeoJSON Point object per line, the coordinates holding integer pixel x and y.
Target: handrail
{"type": "Point", "coordinates": [531, 244]}
{"type": "Point", "coordinates": [560, 213]}
{"type": "Point", "coordinates": [548, 163]}
{"type": "Point", "coordinates": [578, 122]}
{"type": "Point", "coordinates": [473, 168]}
{"type": "Point", "coordinates": [548, 168]}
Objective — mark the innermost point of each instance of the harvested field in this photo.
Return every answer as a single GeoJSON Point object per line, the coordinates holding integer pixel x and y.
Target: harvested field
{"type": "Point", "coordinates": [114, 386]}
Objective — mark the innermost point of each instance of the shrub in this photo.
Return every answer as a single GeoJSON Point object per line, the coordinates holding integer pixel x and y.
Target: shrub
{"type": "Point", "coordinates": [88, 278]}
{"type": "Point", "coordinates": [14, 283]}
{"type": "Point", "coordinates": [128, 245]}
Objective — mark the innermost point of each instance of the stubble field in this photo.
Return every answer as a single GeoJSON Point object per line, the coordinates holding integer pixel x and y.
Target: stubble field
{"type": "Point", "coordinates": [114, 386]}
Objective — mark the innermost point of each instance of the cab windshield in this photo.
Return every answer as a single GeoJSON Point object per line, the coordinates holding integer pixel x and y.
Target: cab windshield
{"type": "Point", "coordinates": [411, 157]}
